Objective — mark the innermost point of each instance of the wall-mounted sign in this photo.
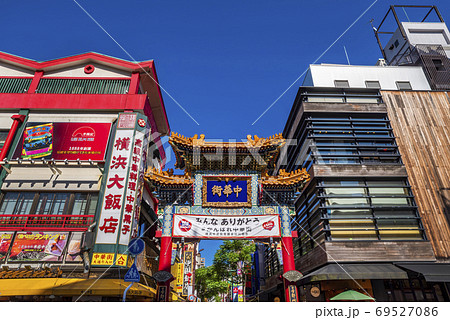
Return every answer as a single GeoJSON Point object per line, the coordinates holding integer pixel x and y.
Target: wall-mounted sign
{"type": "Point", "coordinates": [64, 140]}
{"type": "Point", "coordinates": [227, 191]}
{"type": "Point", "coordinates": [102, 259]}
{"type": "Point", "coordinates": [188, 272]}
{"type": "Point", "coordinates": [223, 227]}
{"type": "Point", "coordinates": [5, 242]}
{"type": "Point", "coordinates": [38, 246]}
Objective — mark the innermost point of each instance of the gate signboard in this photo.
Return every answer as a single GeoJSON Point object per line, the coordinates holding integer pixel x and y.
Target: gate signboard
{"type": "Point", "coordinates": [224, 227]}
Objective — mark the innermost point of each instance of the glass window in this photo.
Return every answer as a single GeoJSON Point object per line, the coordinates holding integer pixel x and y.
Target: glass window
{"type": "Point", "coordinates": [80, 203]}
{"type": "Point", "coordinates": [394, 213]}
{"type": "Point", "coordinates": [343, 183]}
{"type": "Point", "coordinates": [403, 85]}
{"type": "Point", "coordinates": [92, 204]}
{"type": "Point", "coordinates": [326, 99]}
{"type": "Point", "coordinates": [388, 191]}
{"type": "Point", "coordinates": [341, 84]}
{"type": "Point", "coordinates": [349, 213]}
{"type": "Point", "coordinates": [9, 203]}
{"type": "Point", "coordinates": [386, 183]}
{"type": "Point", "coordinates": [373, 84]}
{"type": "Point", "coordinates": [354, 235]}
{"type": "Point", "coordinates": [390, 201]}
{"type": "Point", "coordinates": [345, 191]}
{"type": "Point", "coordinates": [347, 201]}
{"type": "Point", "coordinates": [24, 203]}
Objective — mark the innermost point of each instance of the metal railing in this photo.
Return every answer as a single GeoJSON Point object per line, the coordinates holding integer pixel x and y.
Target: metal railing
{"type": "Point", "coordinates": [14, 222]}
{"type": "Point", "coordinates": [14, 85]}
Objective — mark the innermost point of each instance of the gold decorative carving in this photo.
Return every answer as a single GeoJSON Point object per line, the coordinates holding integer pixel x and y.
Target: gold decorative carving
{"type": "Point", "coordinates": [284, 178]}
{"type": "Point", "coordinates": [167, 177]}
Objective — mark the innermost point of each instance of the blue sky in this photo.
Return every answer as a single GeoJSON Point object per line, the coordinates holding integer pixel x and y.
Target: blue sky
{"type": "Point", "coordinates": [224, 62]}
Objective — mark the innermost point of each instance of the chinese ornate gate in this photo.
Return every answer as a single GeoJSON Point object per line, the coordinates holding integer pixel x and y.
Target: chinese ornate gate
{"type": "Point", "coordinates": [226, 193]}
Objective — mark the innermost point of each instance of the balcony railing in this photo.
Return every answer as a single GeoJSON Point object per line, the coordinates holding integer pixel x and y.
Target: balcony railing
{"type": "Point", "coordinates": [10, 222]}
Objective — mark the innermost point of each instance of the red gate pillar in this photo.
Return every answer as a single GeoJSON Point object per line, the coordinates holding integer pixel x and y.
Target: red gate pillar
{"type": "Point", "coordinates": [165, 255]}
{"type": "Point", "coordinates": [287, 249]}
{"type": "Point", "coordinates": [290, 288]}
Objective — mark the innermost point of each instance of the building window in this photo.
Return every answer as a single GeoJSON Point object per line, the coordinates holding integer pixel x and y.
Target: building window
{"type": "Point", "coordinates": [373, 84]}
{"type": "Point", "coordinates": [438, 64]}
{"type": "Point", "coordinates": [341, 84]}
{"type": "Point", "coordinates": [354, 210]}
{"type": "Point", "coordinates": [375, 210]}
{"type": "Point", "coordinates": [46, 203]}
{"type": "Point", "coordinates": [403, 85]}
{"type": "Point", "coordinates": [361, 139]}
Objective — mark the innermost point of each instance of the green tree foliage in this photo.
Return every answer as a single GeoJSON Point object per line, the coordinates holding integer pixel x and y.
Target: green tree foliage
{"type": "Point", "coordinates": [214, 280]}
{"type": "Point", "coordinates": [208, 283]}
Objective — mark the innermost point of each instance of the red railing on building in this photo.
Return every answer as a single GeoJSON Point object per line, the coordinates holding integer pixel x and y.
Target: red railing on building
{"type": "Point", "coordinates": [10, 222]}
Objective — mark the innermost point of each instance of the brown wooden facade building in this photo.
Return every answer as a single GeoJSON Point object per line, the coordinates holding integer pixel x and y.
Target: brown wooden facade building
{"type": "Point", "coordinates": [375, 215]}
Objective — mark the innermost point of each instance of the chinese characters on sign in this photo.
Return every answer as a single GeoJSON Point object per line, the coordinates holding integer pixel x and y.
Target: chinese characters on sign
{"type": "Point", "coordinates": [188, 272]}
{"type": "Point", "coordinates": [133, 194]}
{"type": "Point", "coordinates": [224, 191]}
{"type": "Point", "coordinates": [206, 226]}
{"type": "Point", "coordinates": [113, 201]}
{"type": "Point", "coordinates": [120, 210]}
{"type": "Point", "coordinates": [102, 259]}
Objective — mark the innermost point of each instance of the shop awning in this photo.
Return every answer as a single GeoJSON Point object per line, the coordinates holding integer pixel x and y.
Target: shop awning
{"type": "Point", "coordinates": [355, 271]}
{"type": "Point", "coordinates": [436, 272]}
{"type": "Point", "coordinates": [72, 287]}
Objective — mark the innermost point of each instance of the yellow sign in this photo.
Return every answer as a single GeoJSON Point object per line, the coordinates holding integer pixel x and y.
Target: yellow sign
{"type": "Point", "coordinates": [179, 282]}
{"type": "Point", "coordinates": [99, 259]}
{"type": "Point", "coordinates": [121, 260]}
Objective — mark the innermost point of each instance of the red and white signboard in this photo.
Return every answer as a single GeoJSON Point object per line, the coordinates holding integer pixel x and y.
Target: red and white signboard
{"type": "Point", "coordinates": [223, 227]}
{"type": "Point", "coordinates": [134, 191]}
{"type": "Point", "coordinates": [110, 215]}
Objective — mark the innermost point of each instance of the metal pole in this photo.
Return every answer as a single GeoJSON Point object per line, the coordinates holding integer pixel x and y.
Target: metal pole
{"type": "Point", "coordinates": [125, 292]}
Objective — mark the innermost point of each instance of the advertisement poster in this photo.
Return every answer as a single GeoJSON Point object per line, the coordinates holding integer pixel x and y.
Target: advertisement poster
{"type": "Point", "coordinates": [64, 140]}
{"type": "Point", "coordinates": [37, 141]}
{"type": "Point", "coordinates": [5, 241]}
{"type": "Point", "coordinates": [74, 248]}
{"type": "Point", "coordinates": [38, 246]}
{"type": "Point", "coordinates": [224, 227]}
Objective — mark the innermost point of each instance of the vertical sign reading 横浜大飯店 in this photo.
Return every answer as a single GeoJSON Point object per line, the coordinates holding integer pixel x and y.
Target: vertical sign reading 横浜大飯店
{"type": "Point", "coordinates": [119, 214]}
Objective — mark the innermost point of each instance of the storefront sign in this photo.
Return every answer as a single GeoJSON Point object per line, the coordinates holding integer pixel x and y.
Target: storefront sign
{"type": "Point", "coordinates": [227, 191]}
{"type": "Point", "coordinates": [293, 296]}
{"type": "Point", "coordinates": [223, 227]}
{"type": "Point", "coordinates": [38, 246]}
{"type": "Point", "coordinates": [188, 272]}
{"type": "Point", "coordinates": [120, 211]}
{"type": "Point", "coordinates": [102, 259]}
{"type": "Point", "coordinates": [64, 140]}
{"type": "Point", "coordinates": [179, 278]}
{"type": "Point", "coordinates": [135, 184]}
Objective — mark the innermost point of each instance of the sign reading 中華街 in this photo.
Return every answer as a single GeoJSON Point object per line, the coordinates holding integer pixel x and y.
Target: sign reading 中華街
{"type": "Point", "coordinates": [64, 140]}
{"type": "Point", "coordinates": [227, 191]}
{"type": "Point", "coordinates": [223, 227]}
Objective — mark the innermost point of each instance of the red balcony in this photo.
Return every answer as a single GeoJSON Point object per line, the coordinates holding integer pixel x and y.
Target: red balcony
{"type": "Point", "coordinates": [10, 222]}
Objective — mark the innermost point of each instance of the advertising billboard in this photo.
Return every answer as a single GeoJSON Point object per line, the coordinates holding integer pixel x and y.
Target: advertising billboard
{"type": "Point", "coordinates": [5, 242]}
{"type": "Point", "coordinates": [64, 140]}
{"type": "Point", "coordinates": [38, 246]}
